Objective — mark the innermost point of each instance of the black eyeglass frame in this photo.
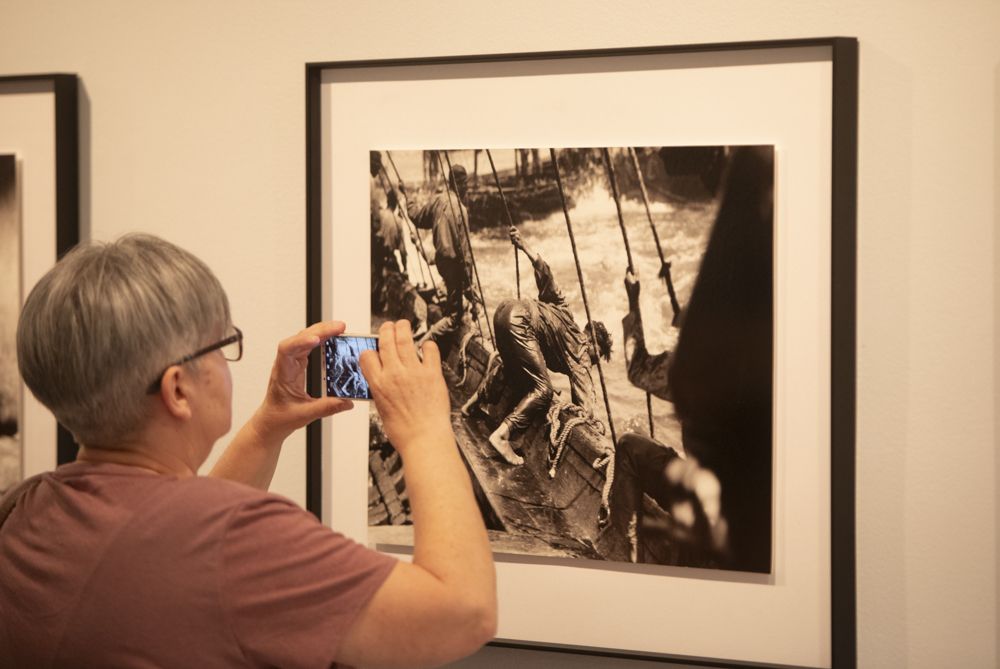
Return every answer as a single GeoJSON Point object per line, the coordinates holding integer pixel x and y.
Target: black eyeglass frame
{"type": "Point", "coordinates": [231, 339]}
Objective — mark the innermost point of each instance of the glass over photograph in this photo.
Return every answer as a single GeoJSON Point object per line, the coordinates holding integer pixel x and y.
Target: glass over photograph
{"type": "Point", "coordinates": [605, 317]}
{"type": "Point", "coordinates": [10, 305]}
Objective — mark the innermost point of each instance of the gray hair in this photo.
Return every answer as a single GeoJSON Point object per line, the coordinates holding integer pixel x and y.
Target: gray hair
{"type": "Point", "coordinates": [102, 323]}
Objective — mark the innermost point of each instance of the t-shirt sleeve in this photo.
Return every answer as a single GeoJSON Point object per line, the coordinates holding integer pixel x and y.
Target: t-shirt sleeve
{"type": "Point", "coordinates": [291, 586]}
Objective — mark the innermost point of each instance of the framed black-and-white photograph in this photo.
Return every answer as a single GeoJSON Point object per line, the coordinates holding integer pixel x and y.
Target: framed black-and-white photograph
{"type": "Point", "coordinates": [39, 221]}
{"type": "Point", "coordinates": [10, 301]}
{"type": "Point", "coordinates": [639, 266]}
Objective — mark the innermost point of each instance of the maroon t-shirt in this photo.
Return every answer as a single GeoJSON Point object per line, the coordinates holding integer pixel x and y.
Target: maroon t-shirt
{"type": "Point", "coordinates": [107, 565]}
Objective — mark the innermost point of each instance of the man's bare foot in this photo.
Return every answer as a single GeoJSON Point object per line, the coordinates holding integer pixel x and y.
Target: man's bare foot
{"type": "Point", "coordinates": [501, 444]}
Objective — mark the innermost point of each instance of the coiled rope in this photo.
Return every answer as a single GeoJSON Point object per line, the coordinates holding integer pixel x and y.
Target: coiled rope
{"type": "Point", "coordinates": [608, 461]}
{"type": "Point", "coordinates": [559, 433]}
{"type": "Point", "coordinates": [463, 354]}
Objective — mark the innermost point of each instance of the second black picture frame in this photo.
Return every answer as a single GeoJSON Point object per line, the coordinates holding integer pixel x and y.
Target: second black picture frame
{"type": "Point", "coordinates": [41, 128]}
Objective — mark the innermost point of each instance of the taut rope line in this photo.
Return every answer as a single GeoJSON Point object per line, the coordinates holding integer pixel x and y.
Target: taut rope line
{"type": "Point", "coordinates": [583, 291]}
{"type": "Point", "coordinates": [618, 206]}
{"type": "Point", "coordinates": [420, 241]}
{"type": "Point", "coordinates": [664, 265]}
{"type": "Point", "coordinates": [383, 177]}
{"type": "Point", "coordinates": [628, 251]}
{"type": "Point", "coordinates": [510, 222]}
{"type": "Point", "coordinates": [472, 255]}
{"type": "Point", "coordinates": [454, 239]}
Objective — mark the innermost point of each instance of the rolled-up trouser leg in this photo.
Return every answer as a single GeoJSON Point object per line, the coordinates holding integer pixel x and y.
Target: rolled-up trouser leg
{"type": "Point", "coordinates": [454, 281]}
{"type": "Point", "coordinates": [523, 363]}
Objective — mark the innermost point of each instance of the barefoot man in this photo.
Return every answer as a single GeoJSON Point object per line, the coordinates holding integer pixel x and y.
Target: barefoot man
{"type": "Point", "coordinates": [535, 336]}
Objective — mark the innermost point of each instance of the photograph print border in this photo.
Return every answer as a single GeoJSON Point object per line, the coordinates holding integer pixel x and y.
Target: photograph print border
{"type": "Point", "coordinates": [64, 89]}
{"type": "Point", "coordinates": [843, 59]}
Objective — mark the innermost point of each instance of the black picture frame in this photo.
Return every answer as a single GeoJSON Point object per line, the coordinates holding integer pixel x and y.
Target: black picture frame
{"type": "Point", "coordinates": [64, 89]}
{"type": "Point", "coordinates": [844, 62]}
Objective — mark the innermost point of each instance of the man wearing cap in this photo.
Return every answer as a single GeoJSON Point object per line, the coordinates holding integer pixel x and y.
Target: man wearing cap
{"type": "Point", "coordinates": [444, 214]}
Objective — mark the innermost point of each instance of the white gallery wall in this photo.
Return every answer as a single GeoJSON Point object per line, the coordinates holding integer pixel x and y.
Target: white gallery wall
{"type": "Point", "coordinates": [194, 129]}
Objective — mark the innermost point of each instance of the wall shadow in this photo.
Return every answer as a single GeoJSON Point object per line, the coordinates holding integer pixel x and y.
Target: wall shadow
{"type": "Point", "coordinates": [996, 345]}
{"type": "Point", "coordinates": [885, 221]}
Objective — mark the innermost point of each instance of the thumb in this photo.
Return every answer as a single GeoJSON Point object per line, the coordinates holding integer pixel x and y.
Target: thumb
{"type": "Point", "coordinates": [325, 406]}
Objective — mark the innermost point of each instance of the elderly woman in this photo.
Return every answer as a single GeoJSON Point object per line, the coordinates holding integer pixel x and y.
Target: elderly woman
{"type": "Point", "coordinates": [128, 558]}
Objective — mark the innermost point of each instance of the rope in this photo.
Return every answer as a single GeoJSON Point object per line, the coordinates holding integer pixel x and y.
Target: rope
{"type": "Point", "coordinates": [406, 216]}
{"type": "Point", "coordinates": [645, 201]}
{"type": "Point", "coordinates": [558, 440]}
{"type": "Point", "coordinates": [472, 255]}
{"type": "Point", "coordinates": [510, 222]}
{"type": "Point", "coordinates": [454, 240]}
{"type": "Point", "coordinates": [608, 461]}
{"type": "Point", "coordinates": [618, 206]}
{"type": "Point", "coordinates": [382, 177]}
{"type": "Point", "coordinates": [649, 412]}
{"type": "Point", "coordinates": [664, 265]}
{"type": "Point", "coordinates": [462, 355]}
{"type": "Point", "coordinates": [493, 366]}
{"type": "Point", "coordinates": [583, 291]}
{"type": "Point", "coordinates": [628, 250]}
{"type": "Point", "coordinates": [559, 433]}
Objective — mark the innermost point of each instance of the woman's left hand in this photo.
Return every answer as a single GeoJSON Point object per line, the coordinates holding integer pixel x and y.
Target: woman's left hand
{"type": "Point", "coordinates": [287, 406]}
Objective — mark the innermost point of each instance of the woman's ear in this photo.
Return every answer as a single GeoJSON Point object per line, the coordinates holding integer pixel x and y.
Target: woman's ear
{"type": "Point", "coordinates": [175, 392]}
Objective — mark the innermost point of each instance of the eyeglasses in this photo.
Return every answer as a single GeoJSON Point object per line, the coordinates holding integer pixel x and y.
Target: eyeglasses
{"type": "Point", "coordinates": [231, 347]}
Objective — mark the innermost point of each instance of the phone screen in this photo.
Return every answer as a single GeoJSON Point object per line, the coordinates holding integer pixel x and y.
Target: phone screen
{"type": "Point", "coordinates": [343, 371]}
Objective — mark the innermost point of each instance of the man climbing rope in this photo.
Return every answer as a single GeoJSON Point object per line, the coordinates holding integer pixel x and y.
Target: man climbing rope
{"type": "Point", "coordinates": [689, 493]}
{"type": "Point", "coordinates": [444, 213]}
{"type": "Point", "coordinates": [533, 337]}
{"type": "Point", "coordinates": [393, 295]}
{"type": "Point", "coordinates": [720, 380]}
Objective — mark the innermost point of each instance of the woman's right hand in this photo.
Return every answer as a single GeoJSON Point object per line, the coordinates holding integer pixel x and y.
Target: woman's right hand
{"type": "Point", "coordinates": [410, 393]}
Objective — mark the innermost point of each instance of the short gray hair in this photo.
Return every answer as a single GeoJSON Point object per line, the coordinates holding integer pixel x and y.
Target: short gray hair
{"type": "Point", "coordinates": [102, 323]}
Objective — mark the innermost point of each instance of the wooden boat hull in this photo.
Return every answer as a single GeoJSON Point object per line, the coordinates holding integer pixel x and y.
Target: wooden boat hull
{"type": "Point", "coordinates": [526, 510]}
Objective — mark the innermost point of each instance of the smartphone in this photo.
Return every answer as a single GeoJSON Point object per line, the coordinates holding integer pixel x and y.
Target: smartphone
{"type": "Point", "coordinates": [343, 371]}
